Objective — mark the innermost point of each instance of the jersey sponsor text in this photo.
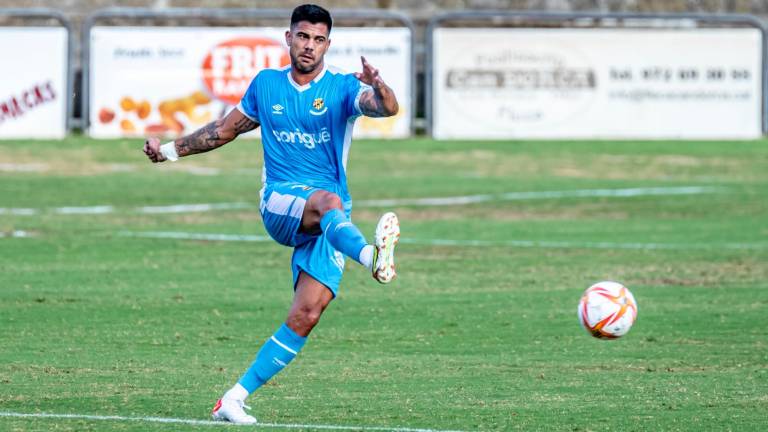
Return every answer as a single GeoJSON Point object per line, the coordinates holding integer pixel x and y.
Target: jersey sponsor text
{"type": "Point", "coordinates": [309, 140]}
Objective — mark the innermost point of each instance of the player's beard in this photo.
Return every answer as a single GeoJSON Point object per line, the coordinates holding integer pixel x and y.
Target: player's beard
{"type": "Point", "coordinates": [303, 67]}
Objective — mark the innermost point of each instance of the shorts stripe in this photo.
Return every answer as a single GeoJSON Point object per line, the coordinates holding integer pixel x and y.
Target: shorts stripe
{"type": "Point", "coordinates": [283, 205]}
{"type": "Point", "coordinates": [298, 208]}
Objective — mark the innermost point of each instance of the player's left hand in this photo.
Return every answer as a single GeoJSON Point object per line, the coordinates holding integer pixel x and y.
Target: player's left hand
{"type": "Point", "coordinates": [369, 75]}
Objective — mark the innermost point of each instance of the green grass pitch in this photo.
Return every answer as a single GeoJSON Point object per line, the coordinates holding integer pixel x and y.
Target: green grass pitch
{"type": "Point", "coordinates": [477, 334]}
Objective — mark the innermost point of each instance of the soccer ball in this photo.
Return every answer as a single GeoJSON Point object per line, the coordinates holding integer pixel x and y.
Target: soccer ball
{"type": "Point", "coordinates": [607, 310]}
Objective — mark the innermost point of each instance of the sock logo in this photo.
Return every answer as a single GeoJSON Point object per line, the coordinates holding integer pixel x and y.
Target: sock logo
{"type": "Point", "coordinates": [278, 362]}
{"type": "Point", "coordinates": [342, 225]}
{"type": "Point", "coordinates": [338, 260]}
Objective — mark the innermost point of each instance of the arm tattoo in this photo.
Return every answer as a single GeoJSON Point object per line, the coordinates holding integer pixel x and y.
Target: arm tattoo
{"type": "Point", "coordinates": [212, 136]}
{"type": "Point", "coordinates": [244, 125]}
{"type": "Point", "coordinates": [202, 140]}
{"type": "Point", "coordinates": [372, 104]}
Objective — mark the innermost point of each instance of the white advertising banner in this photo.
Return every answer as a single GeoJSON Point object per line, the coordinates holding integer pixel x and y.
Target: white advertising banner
{"type": "Point", "coordinates": [597, 83]}
{"type": "Point", "coordinates": [171, 81]}
{"type": "Point", "coordinates": [33, 85]}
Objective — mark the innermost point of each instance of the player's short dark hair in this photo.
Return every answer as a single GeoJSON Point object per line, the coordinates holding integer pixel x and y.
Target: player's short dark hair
{"type": "Point", "coordinates": [312, 13]}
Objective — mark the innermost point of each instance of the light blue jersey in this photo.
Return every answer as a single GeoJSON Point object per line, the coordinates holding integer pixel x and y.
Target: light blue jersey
{"type": "Point", "coordinates": [306, 130]}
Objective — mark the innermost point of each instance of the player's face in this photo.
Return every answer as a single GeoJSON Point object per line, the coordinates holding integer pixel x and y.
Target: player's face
{"type": "Point", "coordinates": [307, 45]}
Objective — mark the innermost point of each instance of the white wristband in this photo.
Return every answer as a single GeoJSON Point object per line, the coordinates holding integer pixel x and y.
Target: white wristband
{"type": "Point", "coordinates": [169, 151]}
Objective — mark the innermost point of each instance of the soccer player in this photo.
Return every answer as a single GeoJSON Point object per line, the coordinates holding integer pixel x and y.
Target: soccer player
{"type": "Point", "coordinates": [306, 112]}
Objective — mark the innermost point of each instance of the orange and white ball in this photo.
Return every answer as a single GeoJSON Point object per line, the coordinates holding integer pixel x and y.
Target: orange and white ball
{"type": "Point", "coordinates": [607, 310]}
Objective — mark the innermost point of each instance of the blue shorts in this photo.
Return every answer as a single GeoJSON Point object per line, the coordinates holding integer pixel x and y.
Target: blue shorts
{"type": "Point", "coordinates": [282, 205]}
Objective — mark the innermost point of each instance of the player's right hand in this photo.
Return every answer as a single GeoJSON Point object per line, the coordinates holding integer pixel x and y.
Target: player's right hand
{"type": "Point", "coordinates": [152, 150]}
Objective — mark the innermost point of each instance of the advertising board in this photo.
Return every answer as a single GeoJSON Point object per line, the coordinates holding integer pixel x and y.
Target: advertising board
{"type": "Point", "coordinates": [33, 82]}
{"type": "Point", "coordinates": [597, 83]}
{"type": "Point", "coordinates": [170, 81]}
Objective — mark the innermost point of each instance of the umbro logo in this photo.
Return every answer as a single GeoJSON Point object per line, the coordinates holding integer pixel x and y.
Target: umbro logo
{"type": "Point", "coordinates": [277, 109]}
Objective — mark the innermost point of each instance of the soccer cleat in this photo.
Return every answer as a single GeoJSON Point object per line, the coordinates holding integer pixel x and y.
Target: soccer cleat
{"type": "Point", "coordinates": [231, 410]}
{"type": "Point", "coordinates": [387, 235]}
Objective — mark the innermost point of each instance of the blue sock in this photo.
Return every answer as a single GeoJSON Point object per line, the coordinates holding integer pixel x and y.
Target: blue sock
{"type": "Point", "coordinates": [273, 356]}
{"type": "Point", "coordinates": [343, 234]}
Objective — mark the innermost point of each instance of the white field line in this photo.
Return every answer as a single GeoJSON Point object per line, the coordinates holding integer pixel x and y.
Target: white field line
{"type": "Point", "coordinates": [435, 201]}
{"type": "Point", "coordinates": [18, 211]}
{"type": "Point", "coordinates": [29, 167]}
{"type": "Point", "coordinates": [84, 210]}
{"type": "Point", "coordinates": [585, 245]}
{"type": "Point", "coordinates": [192, 208]}
{"type": "Point", "coordinates": [204, 171]}
{"type": "Point", "coordinates": [517, 196]}
{"type": "Point", "coordinates": [107, 209]}
{"type": "Point", "coordinates": [196, 236]}
{"type": "Point", "coordinates": [121, 168]}
{"type": "Point", "coordinates": [16, 234]}
{"type": "Point", "coordinates": [471, 243]}
{"type": "Point", "coordinates": [118, 168]}
{"type": "Point", "coordinates": [213, 423]}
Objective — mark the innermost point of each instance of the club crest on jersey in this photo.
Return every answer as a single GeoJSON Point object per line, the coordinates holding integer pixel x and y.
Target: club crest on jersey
{"type": "Point", "coordinates": [318, 107]}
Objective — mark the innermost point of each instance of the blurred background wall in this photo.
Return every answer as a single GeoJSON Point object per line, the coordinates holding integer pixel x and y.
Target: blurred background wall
{"type": "Point", "coordinates": [419, 12]}
{"type": "Point", "coordinates": [422, 9]}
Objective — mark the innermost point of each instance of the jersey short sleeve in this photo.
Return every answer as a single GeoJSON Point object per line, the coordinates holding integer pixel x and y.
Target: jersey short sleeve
{"type": "Point", "coordinates": [248, 105]}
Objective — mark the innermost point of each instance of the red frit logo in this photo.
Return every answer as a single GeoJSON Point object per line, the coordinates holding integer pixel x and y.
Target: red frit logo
{"type": "Point", "coordinates": [231, 65]}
